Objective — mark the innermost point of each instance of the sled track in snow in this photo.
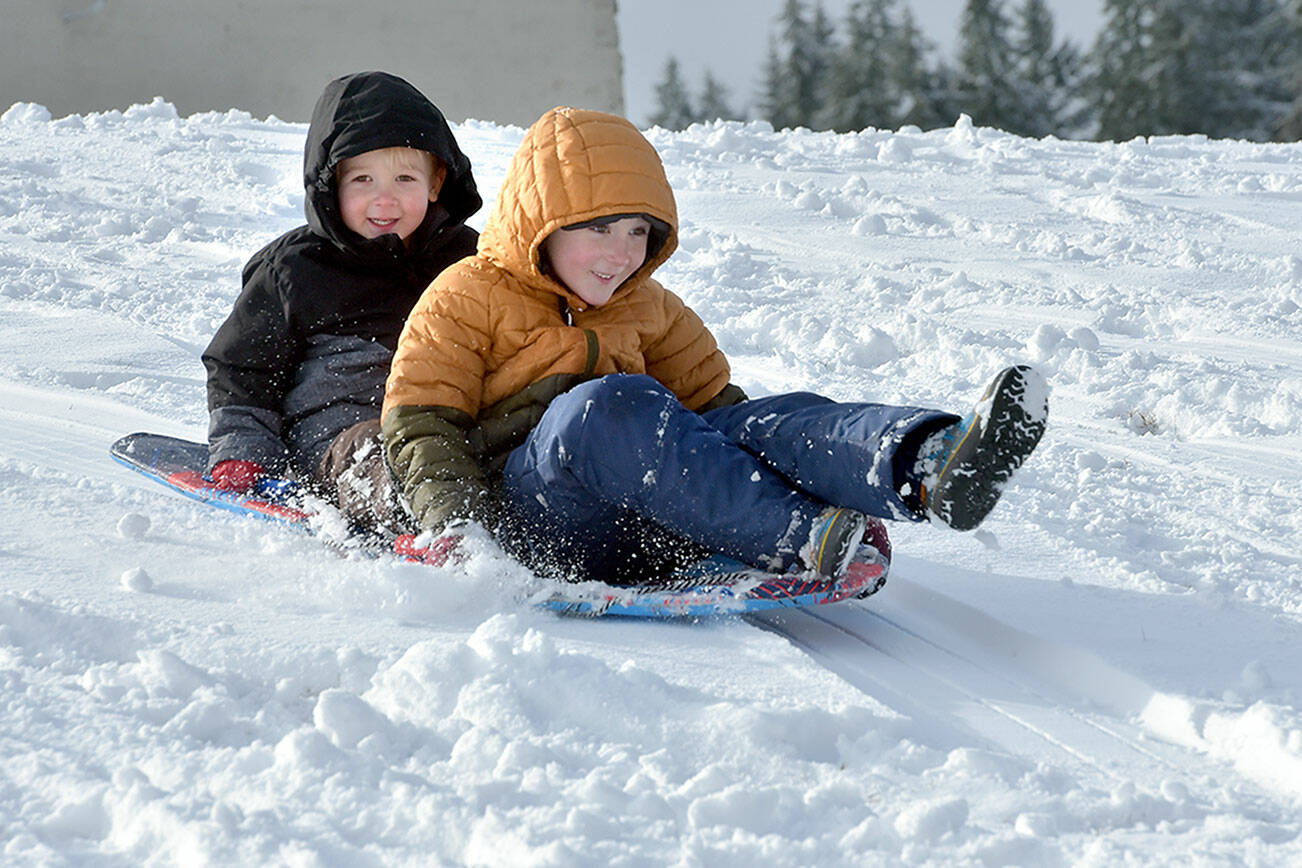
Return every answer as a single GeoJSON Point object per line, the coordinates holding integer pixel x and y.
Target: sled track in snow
{"type": "Point", "coordinates": [969, 681]}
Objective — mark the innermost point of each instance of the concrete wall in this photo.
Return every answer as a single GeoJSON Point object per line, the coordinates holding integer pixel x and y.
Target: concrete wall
{"type": "Point", "coordinates": [501, 60]}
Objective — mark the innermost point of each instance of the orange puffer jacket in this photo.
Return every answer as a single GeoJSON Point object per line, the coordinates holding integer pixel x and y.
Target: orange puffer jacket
{"type": "Point", "coordinates": [495, 338]}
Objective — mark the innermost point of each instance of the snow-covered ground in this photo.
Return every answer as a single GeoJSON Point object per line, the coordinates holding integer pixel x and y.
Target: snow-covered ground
{"type": "Point", "coordinates": [1109, 671]}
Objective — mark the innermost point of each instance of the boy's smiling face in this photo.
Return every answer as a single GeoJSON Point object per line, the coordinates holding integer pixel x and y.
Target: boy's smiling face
{"type": "Point", "coordinates": [387, 190]}
{"type": "Point", "coordinates": [593, 261]}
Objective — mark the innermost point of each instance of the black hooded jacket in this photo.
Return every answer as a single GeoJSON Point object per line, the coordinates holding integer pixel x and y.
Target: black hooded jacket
{"type": "Point", "coordinates": [306, 350]}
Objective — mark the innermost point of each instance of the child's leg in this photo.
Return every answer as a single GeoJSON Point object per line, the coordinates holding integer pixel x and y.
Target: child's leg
{"type": "Point", "coordinates": [623, 449]}
{"type": "Point", "coordinates": [845, 454]}
{"type": "Point", "coordinates": [353, 475]}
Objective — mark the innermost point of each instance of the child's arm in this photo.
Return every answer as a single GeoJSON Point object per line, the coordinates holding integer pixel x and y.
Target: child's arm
{"type": "Point", "coordinates": [431, 403]}
{"type": "Point", "coordinates": [430, 452]}
{"type": "Point", "coordinates": [249, 363]}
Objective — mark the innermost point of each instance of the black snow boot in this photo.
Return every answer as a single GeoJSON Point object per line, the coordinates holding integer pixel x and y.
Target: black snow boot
{"type": "Point", "coordinates": [963, 468]}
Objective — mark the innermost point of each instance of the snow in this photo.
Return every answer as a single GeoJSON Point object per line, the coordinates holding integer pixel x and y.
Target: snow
{"type": "Point", "coordinates": [1106, 672]}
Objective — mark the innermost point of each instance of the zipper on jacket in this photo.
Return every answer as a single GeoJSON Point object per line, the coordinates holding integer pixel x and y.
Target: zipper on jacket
{"type": "Point", "coordinates": [594, 346]}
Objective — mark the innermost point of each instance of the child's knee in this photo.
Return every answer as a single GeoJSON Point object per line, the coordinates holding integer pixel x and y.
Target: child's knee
{"type": "Point", "coordinates": [612, 400]}
{"type": "Point", "coordinates": [608, 419]}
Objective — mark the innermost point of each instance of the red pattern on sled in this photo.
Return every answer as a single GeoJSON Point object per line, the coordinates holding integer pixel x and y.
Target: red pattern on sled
{"type": "Point", "coordinates": [189, 480]}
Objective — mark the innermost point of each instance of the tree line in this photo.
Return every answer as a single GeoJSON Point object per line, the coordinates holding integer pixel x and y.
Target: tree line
{"type": "Point", "coordinates": [1224, 68]}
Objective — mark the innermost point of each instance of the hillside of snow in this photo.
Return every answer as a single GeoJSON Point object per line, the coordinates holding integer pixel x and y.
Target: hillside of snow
{"type": "Point", "coordinates": [1108, 671]}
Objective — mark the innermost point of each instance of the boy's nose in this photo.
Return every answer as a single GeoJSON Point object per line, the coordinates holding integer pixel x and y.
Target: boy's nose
{"type": "Point", "coordinates": [623, 250]}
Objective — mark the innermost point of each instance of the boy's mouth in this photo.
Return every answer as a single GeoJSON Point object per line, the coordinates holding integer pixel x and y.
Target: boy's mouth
{"type": "Point", "coordinates": [382, 224]}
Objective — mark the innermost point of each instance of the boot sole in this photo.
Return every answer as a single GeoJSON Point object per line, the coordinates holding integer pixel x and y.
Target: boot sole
{"type": "Point", "coordinates": [997, 443]}
{"type": "Point", "coordinates": [838, 546]}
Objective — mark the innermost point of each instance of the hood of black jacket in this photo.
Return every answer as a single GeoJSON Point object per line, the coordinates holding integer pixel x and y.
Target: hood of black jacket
{"type": "Point", "coordinates": [366, 111]}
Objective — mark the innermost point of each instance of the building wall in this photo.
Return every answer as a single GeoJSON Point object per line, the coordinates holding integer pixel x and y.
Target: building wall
{"type": "Point", "coordinates": [501, 60]}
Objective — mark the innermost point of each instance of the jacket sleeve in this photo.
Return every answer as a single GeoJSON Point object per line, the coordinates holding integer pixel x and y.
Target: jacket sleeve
{"type": "Point", "coordinates": [430, 452]}
{"type": "Point", "coordinates": [686, 358]}
{"type": "Point", "coordinates": [249, 363]}
{"type": "Point", "coordinates": [431, 439]}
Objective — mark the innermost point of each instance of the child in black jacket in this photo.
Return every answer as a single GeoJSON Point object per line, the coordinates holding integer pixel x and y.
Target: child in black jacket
{"type": "Point", "coordinates": [296, 372]}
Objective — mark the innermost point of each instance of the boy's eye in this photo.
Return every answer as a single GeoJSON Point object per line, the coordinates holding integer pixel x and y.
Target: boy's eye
{"type": "Point", "coordinates": [639, 230]}
{"type": "Point", "coordinates": [357, 179]}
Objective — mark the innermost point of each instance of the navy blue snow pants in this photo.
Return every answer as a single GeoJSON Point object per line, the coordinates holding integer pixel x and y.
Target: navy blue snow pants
{"type": "Point", "coordinates": [618, 460]}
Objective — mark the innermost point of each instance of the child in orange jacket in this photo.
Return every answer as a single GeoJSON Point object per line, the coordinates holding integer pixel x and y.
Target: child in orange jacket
{"type": "Point", "coordinates": [551, 390]}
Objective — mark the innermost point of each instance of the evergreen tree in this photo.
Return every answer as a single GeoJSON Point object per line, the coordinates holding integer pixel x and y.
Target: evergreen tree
{"type": "Point", "coordinates": [1193, 66]}
{"type": "Point", "coordinates": [987, 80]}
{"type": "Point", "coordinates": [796, 72]}
{"type": "Point", "coordinates": [1214, 60]}
{"type": "Point", "coordinates": [1118, 85]}
{"type": "Point", "coordinates": [821, 50]}
{"type": "Point", "coordinates": [1253, 77]}
{"type": "Point", "coordinates": [863, 90]}
{"type": "Point", "coordinates": [673, 107]}
{"type": "Point", "coordinates": [928, 94]}
{"type": "Point", "coordinates": [881, 76]}
{"type": "Point", "coordinates": [713, 102]}
{"type": "Point", "coordinates": [796, 87]}
{"type": "Point", "coordinates": [1179, 65]}
{"type": "Point", "coordinates": [1049, 75]}
{"type": "Point", "coordinates": [1288, 127]}
{"type": "Point", "coordinates": [775, 100]}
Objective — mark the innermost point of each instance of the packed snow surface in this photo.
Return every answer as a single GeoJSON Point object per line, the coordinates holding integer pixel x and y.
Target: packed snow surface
{"type": "Point", "coordinates": [1108, 671]}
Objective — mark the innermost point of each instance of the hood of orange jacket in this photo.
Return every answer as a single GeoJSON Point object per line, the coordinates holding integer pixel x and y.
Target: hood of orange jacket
{"type": "Point", "coordinates": [573, 166]}
{"type": "Point", "coordinates": [496, 338]}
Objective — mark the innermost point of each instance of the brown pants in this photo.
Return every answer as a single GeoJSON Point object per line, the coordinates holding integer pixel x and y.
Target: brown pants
{"type": "Point", "coordinates": [354, 476]}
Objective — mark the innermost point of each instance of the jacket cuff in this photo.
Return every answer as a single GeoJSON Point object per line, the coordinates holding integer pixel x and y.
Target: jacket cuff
{"type": "Point", "coordinates": [728, 396]}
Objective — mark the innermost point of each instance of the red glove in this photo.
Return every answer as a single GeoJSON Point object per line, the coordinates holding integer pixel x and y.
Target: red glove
{"type": "Point", "coordinates": [236, 475]}
{"type": "Point", "coordinates": [436, 554]}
